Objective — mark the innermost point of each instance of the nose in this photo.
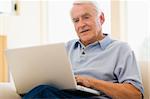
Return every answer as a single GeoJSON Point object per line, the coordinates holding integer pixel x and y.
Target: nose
{"type": "Point", "coordinates": [81, 23]}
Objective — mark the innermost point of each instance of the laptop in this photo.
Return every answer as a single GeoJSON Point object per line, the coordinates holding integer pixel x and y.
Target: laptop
{"type": "Point", "coordinates": [43, 64]}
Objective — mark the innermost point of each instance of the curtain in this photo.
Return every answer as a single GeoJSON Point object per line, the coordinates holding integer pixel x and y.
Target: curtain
{"type": "Point", "coordinates": [3, 65]}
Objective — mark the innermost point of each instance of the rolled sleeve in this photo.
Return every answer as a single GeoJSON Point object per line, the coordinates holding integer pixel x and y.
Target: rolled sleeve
{"type": "Point", "coordinates": [127, 70]}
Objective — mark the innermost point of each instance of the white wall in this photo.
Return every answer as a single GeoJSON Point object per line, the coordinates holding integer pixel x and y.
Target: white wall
{"type": "Point", "coordinates": [60, 26]}
{"type": "Point", "coordinates": [137, 27]}
{"type": "Point", "coordinates": [6, 7]}
{"type": "Point", "coordinates": [24, 29]}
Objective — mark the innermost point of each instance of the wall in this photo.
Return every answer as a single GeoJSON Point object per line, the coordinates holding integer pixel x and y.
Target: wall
{"type": "Point", "coordinates": [145, 72]}
{"type": "Point", "coordinates": [24, 29]}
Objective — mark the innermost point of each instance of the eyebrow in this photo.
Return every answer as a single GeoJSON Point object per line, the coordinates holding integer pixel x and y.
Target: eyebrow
{"type": "Point", "coordinates": [85, 14]}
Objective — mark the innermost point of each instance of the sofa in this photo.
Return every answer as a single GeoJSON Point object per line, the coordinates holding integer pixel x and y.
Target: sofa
{"type": "Point", "coordinates": [8, 91]}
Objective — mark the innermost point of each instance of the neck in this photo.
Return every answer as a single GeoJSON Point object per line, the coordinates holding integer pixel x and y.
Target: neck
{"type": "Point", "coordinates": [99, 37]}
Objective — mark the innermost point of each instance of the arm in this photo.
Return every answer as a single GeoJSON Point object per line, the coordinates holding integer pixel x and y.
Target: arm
{"type": "Point", "coordinates": [114, 90]}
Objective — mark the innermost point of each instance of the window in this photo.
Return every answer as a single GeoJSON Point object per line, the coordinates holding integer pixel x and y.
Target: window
{"type": "Point", "coordinates": [137, 28]}
{"type": "Point", "coordinates": [6, 6]}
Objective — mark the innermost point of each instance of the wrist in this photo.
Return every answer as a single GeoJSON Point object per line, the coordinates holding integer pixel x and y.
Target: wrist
{"type": "Point", "coordinates": [91, 83]}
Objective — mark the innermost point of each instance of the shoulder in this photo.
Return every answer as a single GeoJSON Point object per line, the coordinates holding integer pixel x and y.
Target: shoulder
{"type": "Point", "coordinates": [122, 47]}
{"type": "Point", "coordinates": [121, 44]}
{"type": "Point", "coordinates": [71, 43]}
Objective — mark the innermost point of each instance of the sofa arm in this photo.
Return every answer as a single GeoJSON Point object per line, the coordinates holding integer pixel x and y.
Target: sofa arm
{"type": "Point", "coordinates": [8, 92]}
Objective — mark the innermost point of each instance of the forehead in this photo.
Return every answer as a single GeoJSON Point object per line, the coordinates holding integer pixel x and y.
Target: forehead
{"type": "Point", "coordinates": [81, 9]}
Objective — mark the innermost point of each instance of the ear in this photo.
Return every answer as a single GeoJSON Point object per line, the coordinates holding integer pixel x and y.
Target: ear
{"type": "Point", "coordinates": [102, 18]}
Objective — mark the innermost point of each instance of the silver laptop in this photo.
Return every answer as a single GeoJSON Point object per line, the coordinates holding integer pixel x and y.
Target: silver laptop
{"type": "Point", "coordinates": [44, 64]}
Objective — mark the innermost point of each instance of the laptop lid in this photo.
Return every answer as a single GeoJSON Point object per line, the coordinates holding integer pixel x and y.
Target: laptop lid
{"type": "Point", "coordinates": [44, 64]}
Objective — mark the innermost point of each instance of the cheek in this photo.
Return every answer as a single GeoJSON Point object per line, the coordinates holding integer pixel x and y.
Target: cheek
{"type": "Point", "coordinates": [76, 31]}
{"type": "Point", "coordinates": [76, 28]}
{"type": "Point", "coordinates": [97, 26]}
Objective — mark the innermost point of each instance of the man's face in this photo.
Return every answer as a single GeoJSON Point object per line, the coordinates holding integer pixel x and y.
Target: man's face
{"type": "Point", "coordinates": [86, 22]}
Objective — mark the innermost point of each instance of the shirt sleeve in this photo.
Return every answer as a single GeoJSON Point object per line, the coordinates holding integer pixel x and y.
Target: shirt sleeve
{"type": "Point", "coordinates": [127, 70]}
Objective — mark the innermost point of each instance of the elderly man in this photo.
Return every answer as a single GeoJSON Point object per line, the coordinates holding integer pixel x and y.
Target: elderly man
{"type": "Point", "coordinates": [98, 62]}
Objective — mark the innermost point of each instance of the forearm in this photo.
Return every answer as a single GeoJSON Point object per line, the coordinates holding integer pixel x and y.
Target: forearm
{"type": "Point", "coordinates": [116, 90]}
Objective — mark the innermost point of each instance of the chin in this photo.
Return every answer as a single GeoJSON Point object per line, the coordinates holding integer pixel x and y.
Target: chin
{"type": "Point", "coordinates": [85, 40]}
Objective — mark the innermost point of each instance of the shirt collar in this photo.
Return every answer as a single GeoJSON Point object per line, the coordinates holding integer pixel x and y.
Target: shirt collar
{"type": "Point", "coordinates": [103, 43]}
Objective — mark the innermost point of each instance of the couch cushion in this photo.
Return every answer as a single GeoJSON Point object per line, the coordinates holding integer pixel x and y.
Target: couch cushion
{"type": "Point", "coordinates": [7, 91]}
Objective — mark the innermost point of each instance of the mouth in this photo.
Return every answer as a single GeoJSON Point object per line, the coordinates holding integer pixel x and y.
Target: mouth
{"type": "Point", "coordinates": [84, 31]}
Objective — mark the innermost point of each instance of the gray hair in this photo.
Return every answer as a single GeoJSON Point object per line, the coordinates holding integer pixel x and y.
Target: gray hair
{"type": "Point", "coordinates": [94, 3]}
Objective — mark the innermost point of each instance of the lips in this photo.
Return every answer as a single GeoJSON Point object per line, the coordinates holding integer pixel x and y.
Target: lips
{"type": "Point", "coordinates": [84, 31]}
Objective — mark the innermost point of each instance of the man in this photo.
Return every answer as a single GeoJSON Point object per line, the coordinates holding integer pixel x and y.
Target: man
{"type": "Point", "coordinates": [99, 62]}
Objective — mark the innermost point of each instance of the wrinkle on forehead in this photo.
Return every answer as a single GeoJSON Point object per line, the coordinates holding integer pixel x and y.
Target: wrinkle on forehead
{"type": "Point", "coordinates": [79, 10]}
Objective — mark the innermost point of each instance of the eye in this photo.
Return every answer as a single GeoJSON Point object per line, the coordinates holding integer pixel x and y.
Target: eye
{"type": "Point", "coordinates": [86, 17]}
{"type": "Point", "coordinates": [75, 20]}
